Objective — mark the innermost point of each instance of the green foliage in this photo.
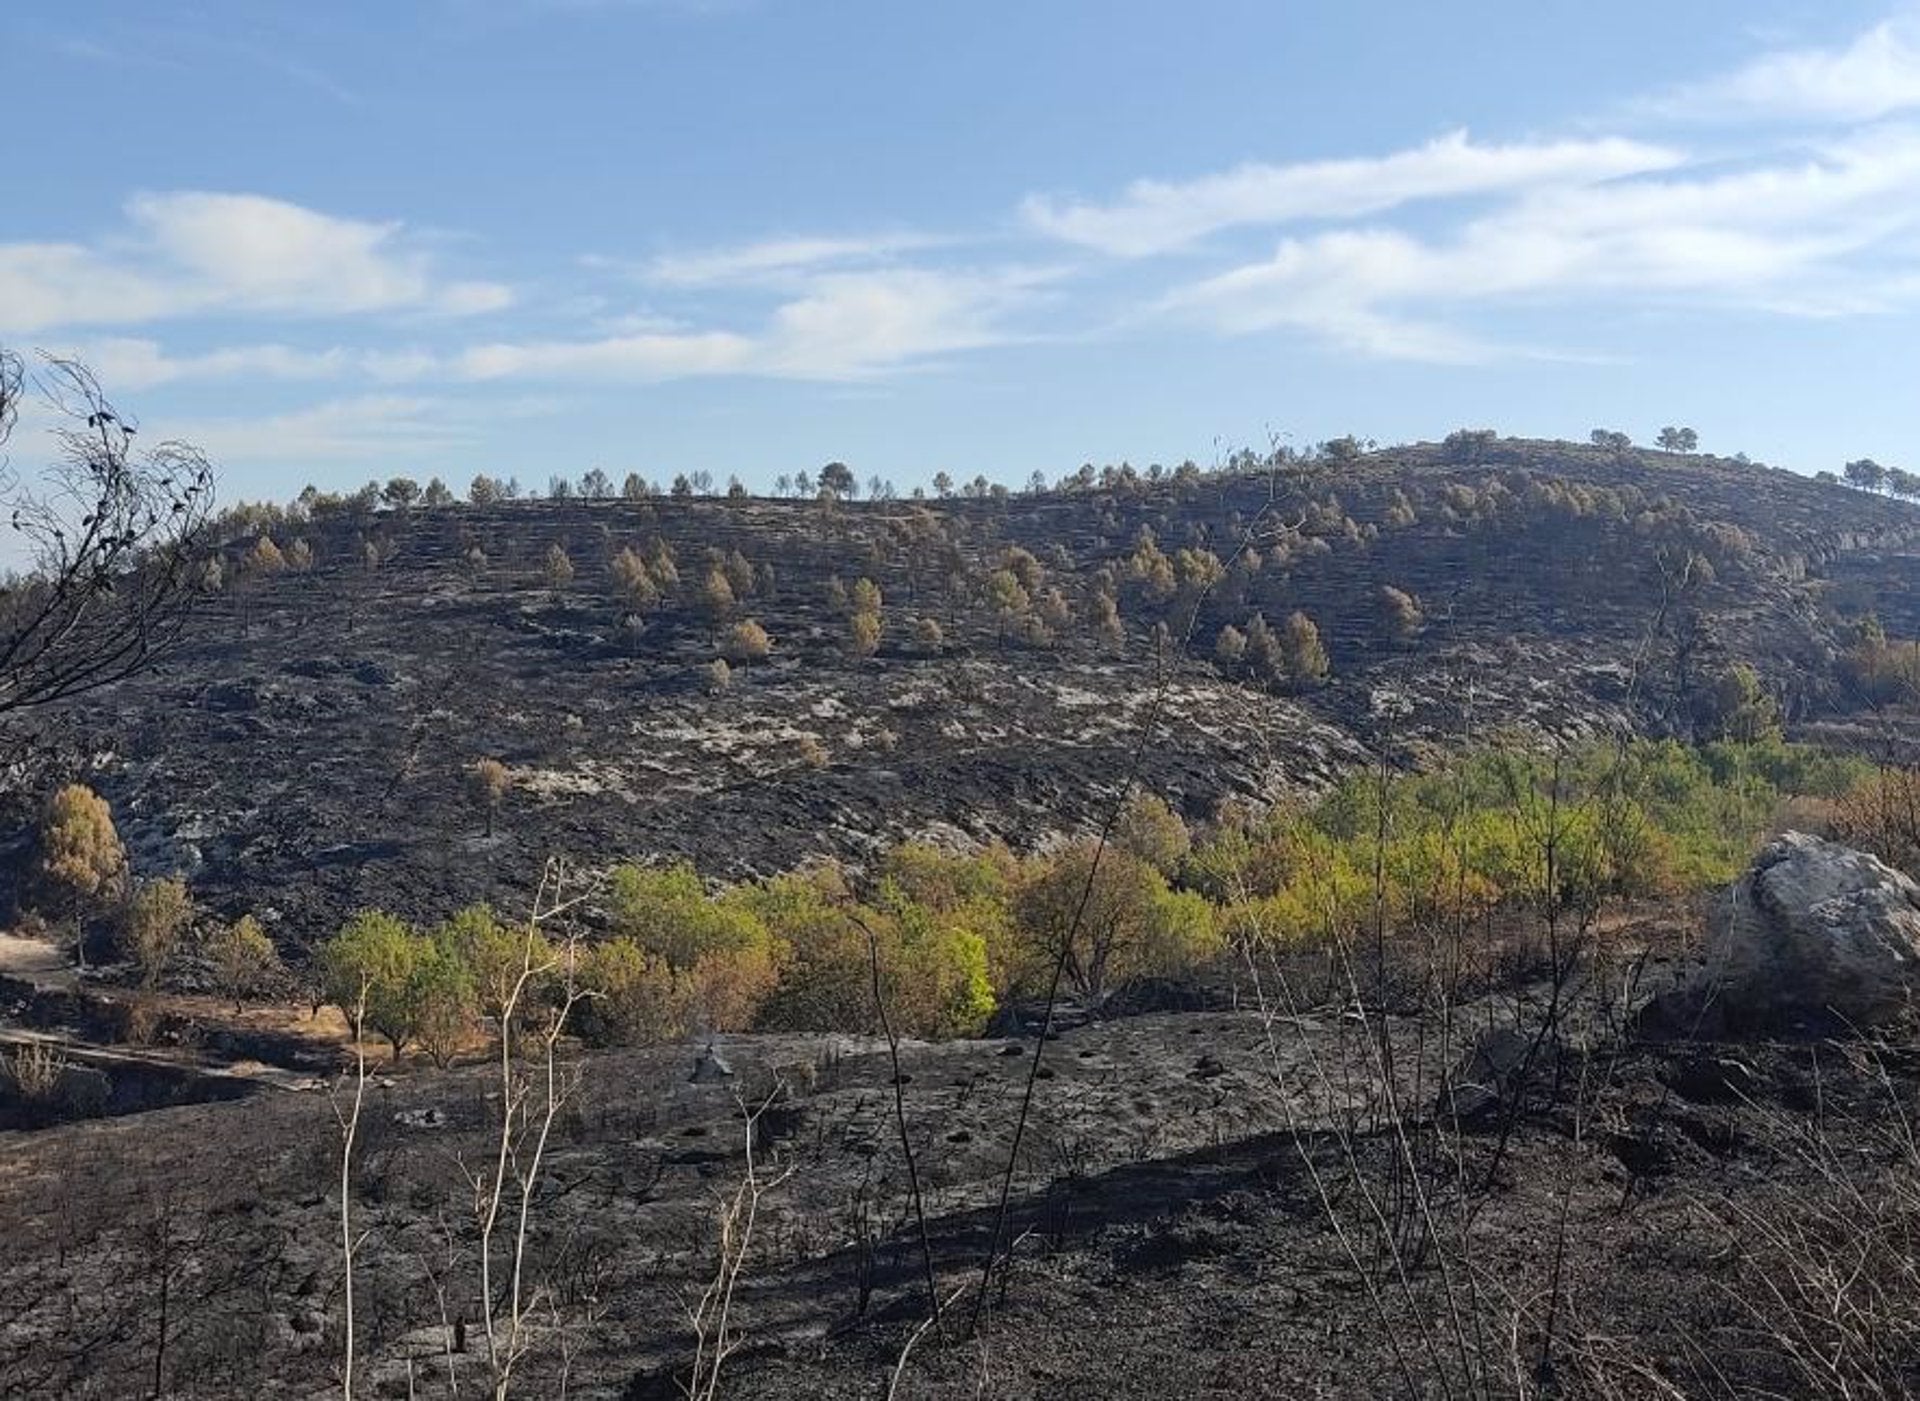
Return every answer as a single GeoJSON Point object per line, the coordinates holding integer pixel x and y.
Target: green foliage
{"type": "Point", "coordinates": [443, 997]}
{"type": "Point", "coordinates": [500, 959]}
{"type": "Point", "coordinates": [81, 859]}
{"type": "Point", "coordinates": [633, 999]}
{"type": "Point", "coordinates": [243, 958]}
{"type": "Point", "coordinates": [368, 972]}
{"type": "Point", "coordinates": [1115, 918]}
{"type": "Point", "coordinates": [1738, 707]}
{"type": "Point", "coordinates": [722, 950]}
{"type": "Point", "coordinates": [950, 934]}
{"type": "Point", "coordinates": [156, 920]}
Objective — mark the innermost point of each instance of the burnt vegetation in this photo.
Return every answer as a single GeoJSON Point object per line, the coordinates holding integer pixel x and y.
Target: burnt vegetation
{"type": "Point", "coordinates": [1201, 932]}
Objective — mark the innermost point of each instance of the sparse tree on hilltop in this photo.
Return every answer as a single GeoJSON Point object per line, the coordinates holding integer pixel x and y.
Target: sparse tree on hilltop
{"type": "Point", "coordinates": [400, 493]}
{"type": "Point", "coordinates": [837, 481]}
{"type": "Point", "coordinates": [1673, 439]}
{"type": "Point", "coordinates": [1866, 474]}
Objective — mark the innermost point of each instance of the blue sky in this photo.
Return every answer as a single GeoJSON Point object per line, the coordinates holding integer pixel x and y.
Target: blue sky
{"type": "Point", "coordinates": [341, 241]}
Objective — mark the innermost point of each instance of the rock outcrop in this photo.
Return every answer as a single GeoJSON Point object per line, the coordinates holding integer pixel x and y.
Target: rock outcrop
{"type": "Point", "coordinates": [1814, 932]}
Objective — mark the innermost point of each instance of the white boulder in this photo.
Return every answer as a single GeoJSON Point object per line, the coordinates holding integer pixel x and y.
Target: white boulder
{"type": "Point", "coordinates": [1813, 929]}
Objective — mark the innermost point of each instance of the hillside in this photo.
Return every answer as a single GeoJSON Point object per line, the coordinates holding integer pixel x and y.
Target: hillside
{"type": "Point", "coordinates": [306, 751]}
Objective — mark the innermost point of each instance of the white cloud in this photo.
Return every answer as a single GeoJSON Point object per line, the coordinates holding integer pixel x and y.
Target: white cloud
{"type": "Point", "coordinates": [362, 428]}
{"type": "Point", "coordinates": [129, 363]}
{"type": "Point", "coordinates": [1156, 217]}
{"type": "Point", "coordinates": [775, 260]}
{"type": "Point", "coordinates": [1876, 75]}
{"type": "Point", "coordinates": [644, 357]}
{"type": "Point", "coordinates": [1812, 236]}
{"type": "Point", "coordinates": [843, 325]}
{"type": "Point", "coordinates": [194, 253]}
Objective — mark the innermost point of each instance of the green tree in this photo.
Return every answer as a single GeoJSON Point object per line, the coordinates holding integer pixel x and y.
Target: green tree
{"type": "Point", "coordinates": [1130, 924]}
{"type": "Point", "coordinates": [1302, 656]}
{"type": "Point", "coordinates": [368, 972]}
{"type": "Point", "coordinates": [837, 481]}
{"type": "Point", "coordinates": [243, 958]}
{"type": "Point", "coordinates": [156, 920]}
{"type": "Point", "coordinates": [1866, 474]}
{"type": "Point", "coordinates": [633, 997]}
{"type": "Point", "coordinates": [1151, 830]}
{"type": "Point", "coordinates": [82, 866]}
{"type": "Point", "coordinates": [1741, 710]}
{"type": "Point", "coordinates": [441, 991]}
{"type": "Point", "coordinates": [500, 958]}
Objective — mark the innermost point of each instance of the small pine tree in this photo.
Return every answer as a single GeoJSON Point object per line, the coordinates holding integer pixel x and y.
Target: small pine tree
{"type": "Point", "coordinates": [243, 958]}
{"type": "Point", "coordinates": [1400, 614]}
{"type": "Point", "coordinates": [1303, 658]}
{"type": "Point", "coordinates": [82, 863]}
{"type": "Point", "coordinates": [747, 641]}
{"type": "Point", "coordinates": [716, 596]}
{"type": "Point", "coordinates": [559, 567]}
{"type": "Point", "coordinates": [157, 917]}
{"type": "Point", "coordinates": [487, 784]}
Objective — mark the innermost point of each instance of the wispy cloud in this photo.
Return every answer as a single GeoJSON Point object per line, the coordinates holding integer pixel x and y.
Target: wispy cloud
{"type": "Point", "coordinates": [1158, 216]}
{"type": "Point", "coordinates": [1875, 75]}
{"type": "Point", "coordinates": [194, 253]}
{"type": "Point", "coordinates": [357, 429]}
{"type": "Point", "coordinates": [1807, 237]}
{"type": "Point", "coordinates": [771, 261]}
{"type": "Point", "coordinates": [842, 326]}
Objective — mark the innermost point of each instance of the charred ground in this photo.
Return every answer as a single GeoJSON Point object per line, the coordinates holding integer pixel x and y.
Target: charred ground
{"type": "Point", "coordinates": [305, 751]}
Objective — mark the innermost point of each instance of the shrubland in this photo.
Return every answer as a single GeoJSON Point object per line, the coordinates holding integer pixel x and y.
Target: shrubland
{"type": "Point", "coordinates": [949, 936]}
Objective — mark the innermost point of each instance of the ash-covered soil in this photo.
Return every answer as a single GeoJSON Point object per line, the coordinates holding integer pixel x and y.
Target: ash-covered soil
{"type": "Point", "coordinates": [304, 753]}
{"type": "Point", "coordinates": [1202, 1206]}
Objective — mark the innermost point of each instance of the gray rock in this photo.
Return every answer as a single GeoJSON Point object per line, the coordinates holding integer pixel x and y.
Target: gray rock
{"type": "Point", "coordinates": [1488, 1078]}
{"type": "Point", "coordinates": [1813, 929]}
